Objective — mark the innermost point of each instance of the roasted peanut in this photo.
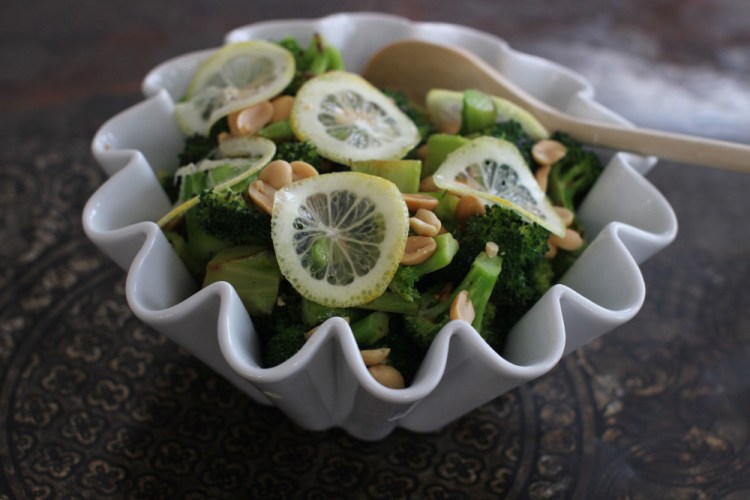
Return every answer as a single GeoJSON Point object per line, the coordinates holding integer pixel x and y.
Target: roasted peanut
{"type": "Point", "coordinates": [282, 108]}
{"type": "Point", "coordinates": [250, 120]}
{"type": "Point", "coordinates": [373, 357]}
{"type": "Point", "coordinates": [566, 215]}
{"type": "Point", "coordinates": [551, 253]}
{"type": "Point", "coordinates": [418, 249]}
{"type": "Point", "coordinates": [415, 201]}
{"type": "Point", "coordinates": [491, 249]}
{"type": "Point", "coordinates": [571, 241]}
{"type": "Point", "coordinates": [462, 308]}
{"type": "Point", "coordinates": [468, 206]}
{"type": "Point", "coordinates": [302, 170]}
{"type": "Point", "coordinates": [262, 195]}
{"type": "Point", "coordinates": [548, 151]}
{"type": "Point", "coordinates": [542, 176]}
{"type": "Point", "coordinates": [276, 174]}
{"type": "Point", "coordinates": [427, 185]}
{"type": "Point", "coordinates": [387, 376]}
{"type": "Point", "coordinates": [425, 223]}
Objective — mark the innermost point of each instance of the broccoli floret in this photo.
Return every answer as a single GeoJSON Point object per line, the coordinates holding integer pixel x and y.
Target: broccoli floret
{"type": "Point", "coordinates": [284, 343]}
{"type": "Point", "coordinates": [198, 147]}
{"type": "Point", "coordinates": [512, 131]}
{"type": "Point", "coordinates": [571, 178]}
{"type": "Point", "coordinates": [314, 60]}
{"type": "Point", "coordinates": [227, 216]}
{"type": "Point", "coordinates": [405, 281]}
{"type": "Point", "coordinates": [417, 115]}
{"type": "Point", "coordinates": [522, 245]}
{"type": "Point", "coordinates": [299, 151]}
{"type": "Point", "coordinates": [434, 312]}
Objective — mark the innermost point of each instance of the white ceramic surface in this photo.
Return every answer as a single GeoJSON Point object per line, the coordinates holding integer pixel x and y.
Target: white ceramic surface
{"type": "Point", "coordinates": [326, 383]}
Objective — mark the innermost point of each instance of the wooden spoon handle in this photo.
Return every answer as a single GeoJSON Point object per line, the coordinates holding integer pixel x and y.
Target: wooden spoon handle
{"type": "Point", "coordinates": [666, 145]}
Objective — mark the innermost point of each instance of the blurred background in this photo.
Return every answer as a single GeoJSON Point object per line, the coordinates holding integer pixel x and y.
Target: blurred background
{"type": "Point", "coordinates": [658, 408]}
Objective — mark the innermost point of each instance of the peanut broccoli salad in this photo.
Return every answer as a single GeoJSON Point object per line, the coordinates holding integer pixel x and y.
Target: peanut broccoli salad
{"type": "Point", "coordinates": [316, 194]}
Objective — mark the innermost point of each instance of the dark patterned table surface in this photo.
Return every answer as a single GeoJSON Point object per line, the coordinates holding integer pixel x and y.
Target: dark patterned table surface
{"type": "Point", "coordinates": [95, 405]}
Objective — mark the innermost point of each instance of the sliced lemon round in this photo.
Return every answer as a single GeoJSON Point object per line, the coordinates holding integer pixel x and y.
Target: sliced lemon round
{"type": "Point", "coordinates": [339, 237]}
{"type": "Point", "coordinates": [245, 156]}
{"type": "Point", "coordinates": [444, 108]}
{"type": "Point", "coordinates": [350, 120]}
{"type": "Point", "coordinates": [234, 77]}
{"type": "Point", "coordinates": [494, 170]}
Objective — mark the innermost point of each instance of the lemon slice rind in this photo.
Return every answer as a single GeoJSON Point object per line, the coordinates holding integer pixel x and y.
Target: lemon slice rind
{"type": "Point", "coordinates": [302, 199]}
{"type": "Point", "coordinates": [444, 108]}
{"type": "Point", "coordinates": [479, 169]}
{"type": "Point", "coordinates": [350, 120]}
{"type": "Point", "coordinates": [248, 156]}
{"type": "Point", "coordinates": [234, 77]}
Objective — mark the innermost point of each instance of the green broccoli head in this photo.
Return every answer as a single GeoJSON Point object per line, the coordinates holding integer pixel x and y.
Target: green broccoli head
{"type": "Point", "coordinates": [512, 131]}
{"type": "Point", "coordinates": [299, 151]}
{"type": "Point", "coordinates": [227, 216]}
{"type": "Point", "coordinates": [522, 245]}
{"type": "Point", "coordinates": [434, 312]}
{"type": "Point", "coordinates": [572, 177]}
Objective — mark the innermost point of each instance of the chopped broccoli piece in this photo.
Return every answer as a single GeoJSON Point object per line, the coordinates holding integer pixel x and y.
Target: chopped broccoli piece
{"type": "Point", "coordinates": [197, 147]}
{"type": "Point", "coordinates": [284, 343]}
{"type": "Point", "coordinates": [479, 282]}
{"type": "Point", "coordinates": [404, 282]}
{"type": "Point", "coordinates": [227, 216]}
{"type": "Point", "coordinates": [512, 131]}
{"type": "Point", "coordinates": [299, 151]}
{"type": "Point", "coordinates": [572, 177]}
{"type": "Point", "coordinates": [368, 330]}
{"type": "Point", "coordinates": [314, 60]}
{"type": "Point", "coordinates": [253, 272]}
{"type": "Point", "coordinates": [522, 245]}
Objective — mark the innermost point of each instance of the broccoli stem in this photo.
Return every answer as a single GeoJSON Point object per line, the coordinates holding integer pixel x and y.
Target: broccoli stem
{"type": "Point", "coordinates": [445, 249]}
{"type": "Point", "coordinates": [479, 283]}
{"type": "Point", "coordinates": [478, 112]}
{"type": "Point", "coordinates": [370, 329]}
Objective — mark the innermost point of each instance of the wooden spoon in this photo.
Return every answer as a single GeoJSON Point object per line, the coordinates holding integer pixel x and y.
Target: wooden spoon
{"type": "Point", "coordinates": [415, 66]}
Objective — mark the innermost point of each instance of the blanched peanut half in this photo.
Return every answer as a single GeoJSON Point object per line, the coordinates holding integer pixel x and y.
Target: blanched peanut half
{"type": "Point", "coordinates": [418, 249]}
{"type": "Point", "coordinates": [427, 185]}
{"type": "Point", "coordinates": [462, 308]}
{"type": "Point", "coordinates": [250, 120]}
{"type": "Point", "coordinates": [276, 174]}
{"type": "Point", "coordinates": [468, 206]}
{"type": "Point", "coordinates": [491, 249]}
{"type": "Point", "coordinates": [425, 223]}
{"type": "Point", "coordinates": [373, 357]}
{"type": "Point", "coordinates": [571, 241]}
{"type": "Point", "coordinates": [548, 151]}
{"type": "Point", "coordinates": [566, 215]}
{"type": "Point", "coordinates": [262, 195]}
{"type": "Point", "coordinates": [542, 176]}
{"type": "Point", "coordinates": [552, 252]}
{"type": "Point", "coordinates": [302, 170]}
{"type": "Point", "coordinates": [282, 108]}
{"type": "Point", "coordinates": [415, 201]}
{"type": "Point", "coordinates": [387, 376]}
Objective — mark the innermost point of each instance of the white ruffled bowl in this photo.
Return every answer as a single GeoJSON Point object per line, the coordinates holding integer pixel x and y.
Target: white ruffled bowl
{"type": "Point", "coordinates": [326, 384]}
